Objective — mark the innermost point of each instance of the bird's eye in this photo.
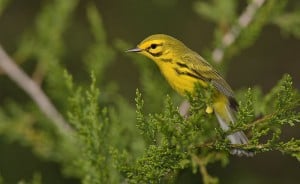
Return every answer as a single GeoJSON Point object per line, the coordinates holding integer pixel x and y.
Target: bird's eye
{"type": "Point", "coordinates": [153, 46]}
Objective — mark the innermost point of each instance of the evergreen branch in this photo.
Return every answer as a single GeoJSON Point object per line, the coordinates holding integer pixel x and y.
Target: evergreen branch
{"type": "Point", "coordinates": [207, 179]}
{"type": "Point", "coordinates": [262, 119]}
{"type": "Point", "coordinates": [243, 21]}
{"type": "Point", "coordinates": [33, 90]}
{"type": "Point", "coordinates": [291, 146]}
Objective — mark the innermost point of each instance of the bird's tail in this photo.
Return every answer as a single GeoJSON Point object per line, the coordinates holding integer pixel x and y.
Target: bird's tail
{"type": "Point", "coordinates": [225, 115]}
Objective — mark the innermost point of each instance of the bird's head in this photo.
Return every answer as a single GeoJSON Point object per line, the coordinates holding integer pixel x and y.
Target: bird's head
{"type": "Point", "coordinates": [159, 46]}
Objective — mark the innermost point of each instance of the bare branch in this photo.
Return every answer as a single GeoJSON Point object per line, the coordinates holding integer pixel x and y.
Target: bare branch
{"type": "Point", "coordinates": [33, 90]}
{"type": "Point", "coordinates": [243, 21]}
{"type": "Point", "coordinates": [184, 108]}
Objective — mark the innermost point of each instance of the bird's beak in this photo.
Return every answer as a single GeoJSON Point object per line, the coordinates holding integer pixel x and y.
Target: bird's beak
{"type": "Point", "coordinates": [134, 50]}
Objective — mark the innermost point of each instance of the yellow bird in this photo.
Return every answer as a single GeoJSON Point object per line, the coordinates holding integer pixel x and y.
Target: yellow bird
{"type": "Point", "coordinates": [183, 68]}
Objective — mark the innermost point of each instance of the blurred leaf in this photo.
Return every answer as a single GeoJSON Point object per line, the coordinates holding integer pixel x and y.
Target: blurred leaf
{"type": "Point", "coordinates": [1, 179]}
{"type": "Point", "coordinates": [249, 34]}
{"type": "Point", "coordinates": [100, 55]}
{"type": "Point", "coordinates": [289, 23]}
{"type": "Point", "coordinates": [220, 12]}
{"type": "Point", "coordinates": [46, 43]}
{"type": "Point", "coordinates": [3, 5]}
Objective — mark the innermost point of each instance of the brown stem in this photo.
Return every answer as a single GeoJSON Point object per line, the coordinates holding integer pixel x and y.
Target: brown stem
{"type": "Point", "coordinates": [33, 90]}
{"type": "Point", "coordinates": [243, 21]}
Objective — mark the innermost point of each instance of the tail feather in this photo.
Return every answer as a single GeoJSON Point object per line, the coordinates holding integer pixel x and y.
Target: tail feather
{"type": "Point", "coordinates": [236, 137]}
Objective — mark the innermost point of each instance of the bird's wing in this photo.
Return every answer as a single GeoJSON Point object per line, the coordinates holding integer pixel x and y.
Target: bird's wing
{"type": "Point", "coordinates": [202, 68]}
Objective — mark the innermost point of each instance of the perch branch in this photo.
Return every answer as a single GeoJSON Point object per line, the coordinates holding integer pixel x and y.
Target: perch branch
{"type": "Point", "coordinates": [243, 21]}
{"type": "Point", "coordinates": [33, 90]}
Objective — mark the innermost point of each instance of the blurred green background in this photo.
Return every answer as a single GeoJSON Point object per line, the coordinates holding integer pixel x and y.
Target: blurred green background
{"type": "Point", "coordinates": [273, 54]}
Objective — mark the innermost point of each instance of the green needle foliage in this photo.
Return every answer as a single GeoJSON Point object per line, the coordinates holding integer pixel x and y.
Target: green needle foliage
{"type": "Point", "coordinates": [92, 125]}
{"type": "Point", "coordinates": [176, 143]}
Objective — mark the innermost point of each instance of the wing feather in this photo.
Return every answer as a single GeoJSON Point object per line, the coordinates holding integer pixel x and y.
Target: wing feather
{"type": "Point", "coordinates": [199, 65]}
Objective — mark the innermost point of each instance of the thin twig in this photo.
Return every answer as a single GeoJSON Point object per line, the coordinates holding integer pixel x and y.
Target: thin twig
{"type": "Point", "coordinates": [243, 21]}
{"type": "Point", "coordinates": [202, 162]}
{"type": "Point", "coordinates": [33, 90]}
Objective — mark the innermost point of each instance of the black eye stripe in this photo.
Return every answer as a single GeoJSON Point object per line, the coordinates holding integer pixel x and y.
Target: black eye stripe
{"type": "Point", "coordinates": [156, 54]}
